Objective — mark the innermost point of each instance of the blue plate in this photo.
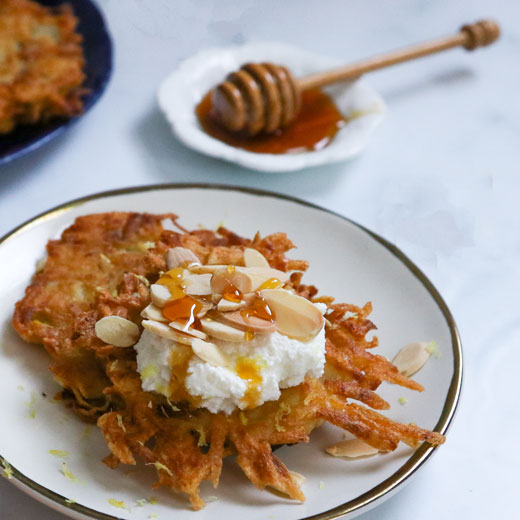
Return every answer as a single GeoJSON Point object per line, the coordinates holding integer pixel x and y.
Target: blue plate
{"type": "Point", "coordinates": [97, 48]}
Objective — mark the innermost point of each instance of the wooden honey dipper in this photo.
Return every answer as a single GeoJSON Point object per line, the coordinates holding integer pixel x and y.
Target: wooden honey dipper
{"type": "Point", "coordinates": [263, 97]}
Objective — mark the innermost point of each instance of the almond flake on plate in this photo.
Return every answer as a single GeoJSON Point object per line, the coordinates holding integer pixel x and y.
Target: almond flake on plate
{"type": "Point", "coordinates": [411, 358]}
{"type": "Point", "coordinates": [352, 449]}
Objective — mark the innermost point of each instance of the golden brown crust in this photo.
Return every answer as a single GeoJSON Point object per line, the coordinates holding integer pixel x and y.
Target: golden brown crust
{"type": "Point", "coordinates": [41, 70]}
{"type": "Point", "coordinates": [114, 256]}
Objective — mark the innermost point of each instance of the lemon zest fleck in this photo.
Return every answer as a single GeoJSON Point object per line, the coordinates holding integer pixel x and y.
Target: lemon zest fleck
{"type": "Point", "coordinates": [59, 453]}
{"type": "Point", "coordinates": [433, 349]}
{"type": "Point", "coordinates": [402, 400]}
{"type": "Point", "coordinates": [7, 472]}
{"type": "Point", "coordinates": [31, 405]}
{"type": "Point", "coordinates": [117, 503]}
{"type": "Point", "coordinates": [149, 370]}
{"type": "Point", "coordinates": [143, 279]}
{"type": "Point", "coordinates": [172, 406]}
{"type": "Point", "coordinates": [202, 436]}
{"type": "Point", "coordinates": [159, 465]}
{"type": "Point", "coordinates": [67, 473]}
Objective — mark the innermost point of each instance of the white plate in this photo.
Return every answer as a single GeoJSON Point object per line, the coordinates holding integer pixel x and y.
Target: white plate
{"type": "Point", "coordinates": [347, 261]}
{"type": "Point", "coordinates": [183, 89]}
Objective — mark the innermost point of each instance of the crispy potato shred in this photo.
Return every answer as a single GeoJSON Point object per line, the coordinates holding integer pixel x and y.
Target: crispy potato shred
{"type": "Point", "coordinates": [41, 64]}
{"type": "Point", "coordinates": [101, 266]}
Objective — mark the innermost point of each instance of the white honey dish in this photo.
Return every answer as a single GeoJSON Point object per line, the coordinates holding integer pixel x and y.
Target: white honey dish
{"type": "Point", "coordinates": [184, 88]}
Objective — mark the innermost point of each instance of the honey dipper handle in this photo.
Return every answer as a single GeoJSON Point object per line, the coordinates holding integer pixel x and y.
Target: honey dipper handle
{"type": "Point", "coordinates": [470, 37]}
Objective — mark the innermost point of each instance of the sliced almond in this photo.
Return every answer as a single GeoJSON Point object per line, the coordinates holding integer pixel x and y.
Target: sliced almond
{"type": "Point", "coordinates": [167, 332]}
{"type": "Point", "coordinates": [352, 449]}
{"type": "Point", "coordinates": [117, 331]}
{"type": "Point", "coordinates": [260, 275]}
{"type": "Point", "coordinates": [160, 294]}
{"type": "Point", "coordinates": [411, 358]}
{"type": "Point", "coordinates": [253, 258]}
{"type": "Point", "coordinates": [151, 312]}
{"type": "Point", "coordinates": [294, 315]}
{"type": "Point", "coordinates": [178, 256]}
{"type": "Point", "coordinates": [210, 353]}
{"type": "Point", "coordinates": [223, 278]}
{"type": "Point", "coordinates": [222, 331]}
{"type": "Point", "coordinates": [181, 326]}
{"type": "Point", "coordinates": [225, 305]}
{"type": "Point", "coordinates": [252, 323]}
{"type": "Point", "coordinates": [203, 269]}
{"type": "Point", "coordinates": [197, 284]}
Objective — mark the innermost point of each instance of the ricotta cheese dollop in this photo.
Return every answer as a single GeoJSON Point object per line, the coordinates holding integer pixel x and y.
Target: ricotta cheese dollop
{"type": "Point", "coordinates": [278, 360]}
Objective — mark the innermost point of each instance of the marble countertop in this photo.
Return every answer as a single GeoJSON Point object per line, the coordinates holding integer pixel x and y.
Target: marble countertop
{"type": "Point", "coordinates": [440, 179]}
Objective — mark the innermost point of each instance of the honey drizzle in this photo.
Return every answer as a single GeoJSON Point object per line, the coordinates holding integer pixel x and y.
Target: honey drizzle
{"type": "Point", "coordinates": [173, 279]}
{"type": "Point", "coordinates": [272, 283]}
{"type": "Point", "coordinates": [179, 362]}
{"type": "Point", "coordinates": [258, 309]}
{"type": "Point", "coordinates": [182, 308]}
{"type": "Point", "coordinates": [232, 294]}
{"type": "Point", "coordinates": [251, 371]}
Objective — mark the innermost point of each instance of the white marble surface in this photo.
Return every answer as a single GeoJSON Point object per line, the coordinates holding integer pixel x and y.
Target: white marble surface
{"type": "Point", "coordinates": [440, 179]}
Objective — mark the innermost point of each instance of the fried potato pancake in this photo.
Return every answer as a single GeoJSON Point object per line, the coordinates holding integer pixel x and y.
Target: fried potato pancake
{"type": "Point", "coordinates": [41, 64]}
{"type": "Point", "coordinates": [103, 265]}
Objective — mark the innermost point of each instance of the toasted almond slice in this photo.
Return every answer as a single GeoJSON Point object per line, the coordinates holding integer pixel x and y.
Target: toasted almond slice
{"type": "Point", "coordinates": [177, 256]}
{"type": "Point", "coordinates": [294, 315]}
{"type": "Point", "coordinates": [203, 269]}
{"type": "Point", "coordinates": [223, 278]}
{"type": "Point", "coordinates": [181, 326]}
{"type": "Point", "coordinates": [260, 275]}
{"type": "Point", "coordinates": [352, 449]}
{"type": "Point", "coordinates": [160, 294]}
{"type": "Point", "coordinates": [197, 284]}
{"type": "Point", "coordinates": [222, 331]}
{"type": "Point", "coordinates": [252, 323]}
{"type": "Point", "coordinates": [411, 358]}
{"type": "Point", "coordinates": [117, 331]}
{"type": "Point", "coordinates": [167, 332]}
{"type": "Point", "coordinates": [210, 353]}
{"type": "Point", "coordinates": [151, 312]}
{"type": "Point", "coordinates": [225, 305]}
{"type": "Point", "coordinates": [253, 258]}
